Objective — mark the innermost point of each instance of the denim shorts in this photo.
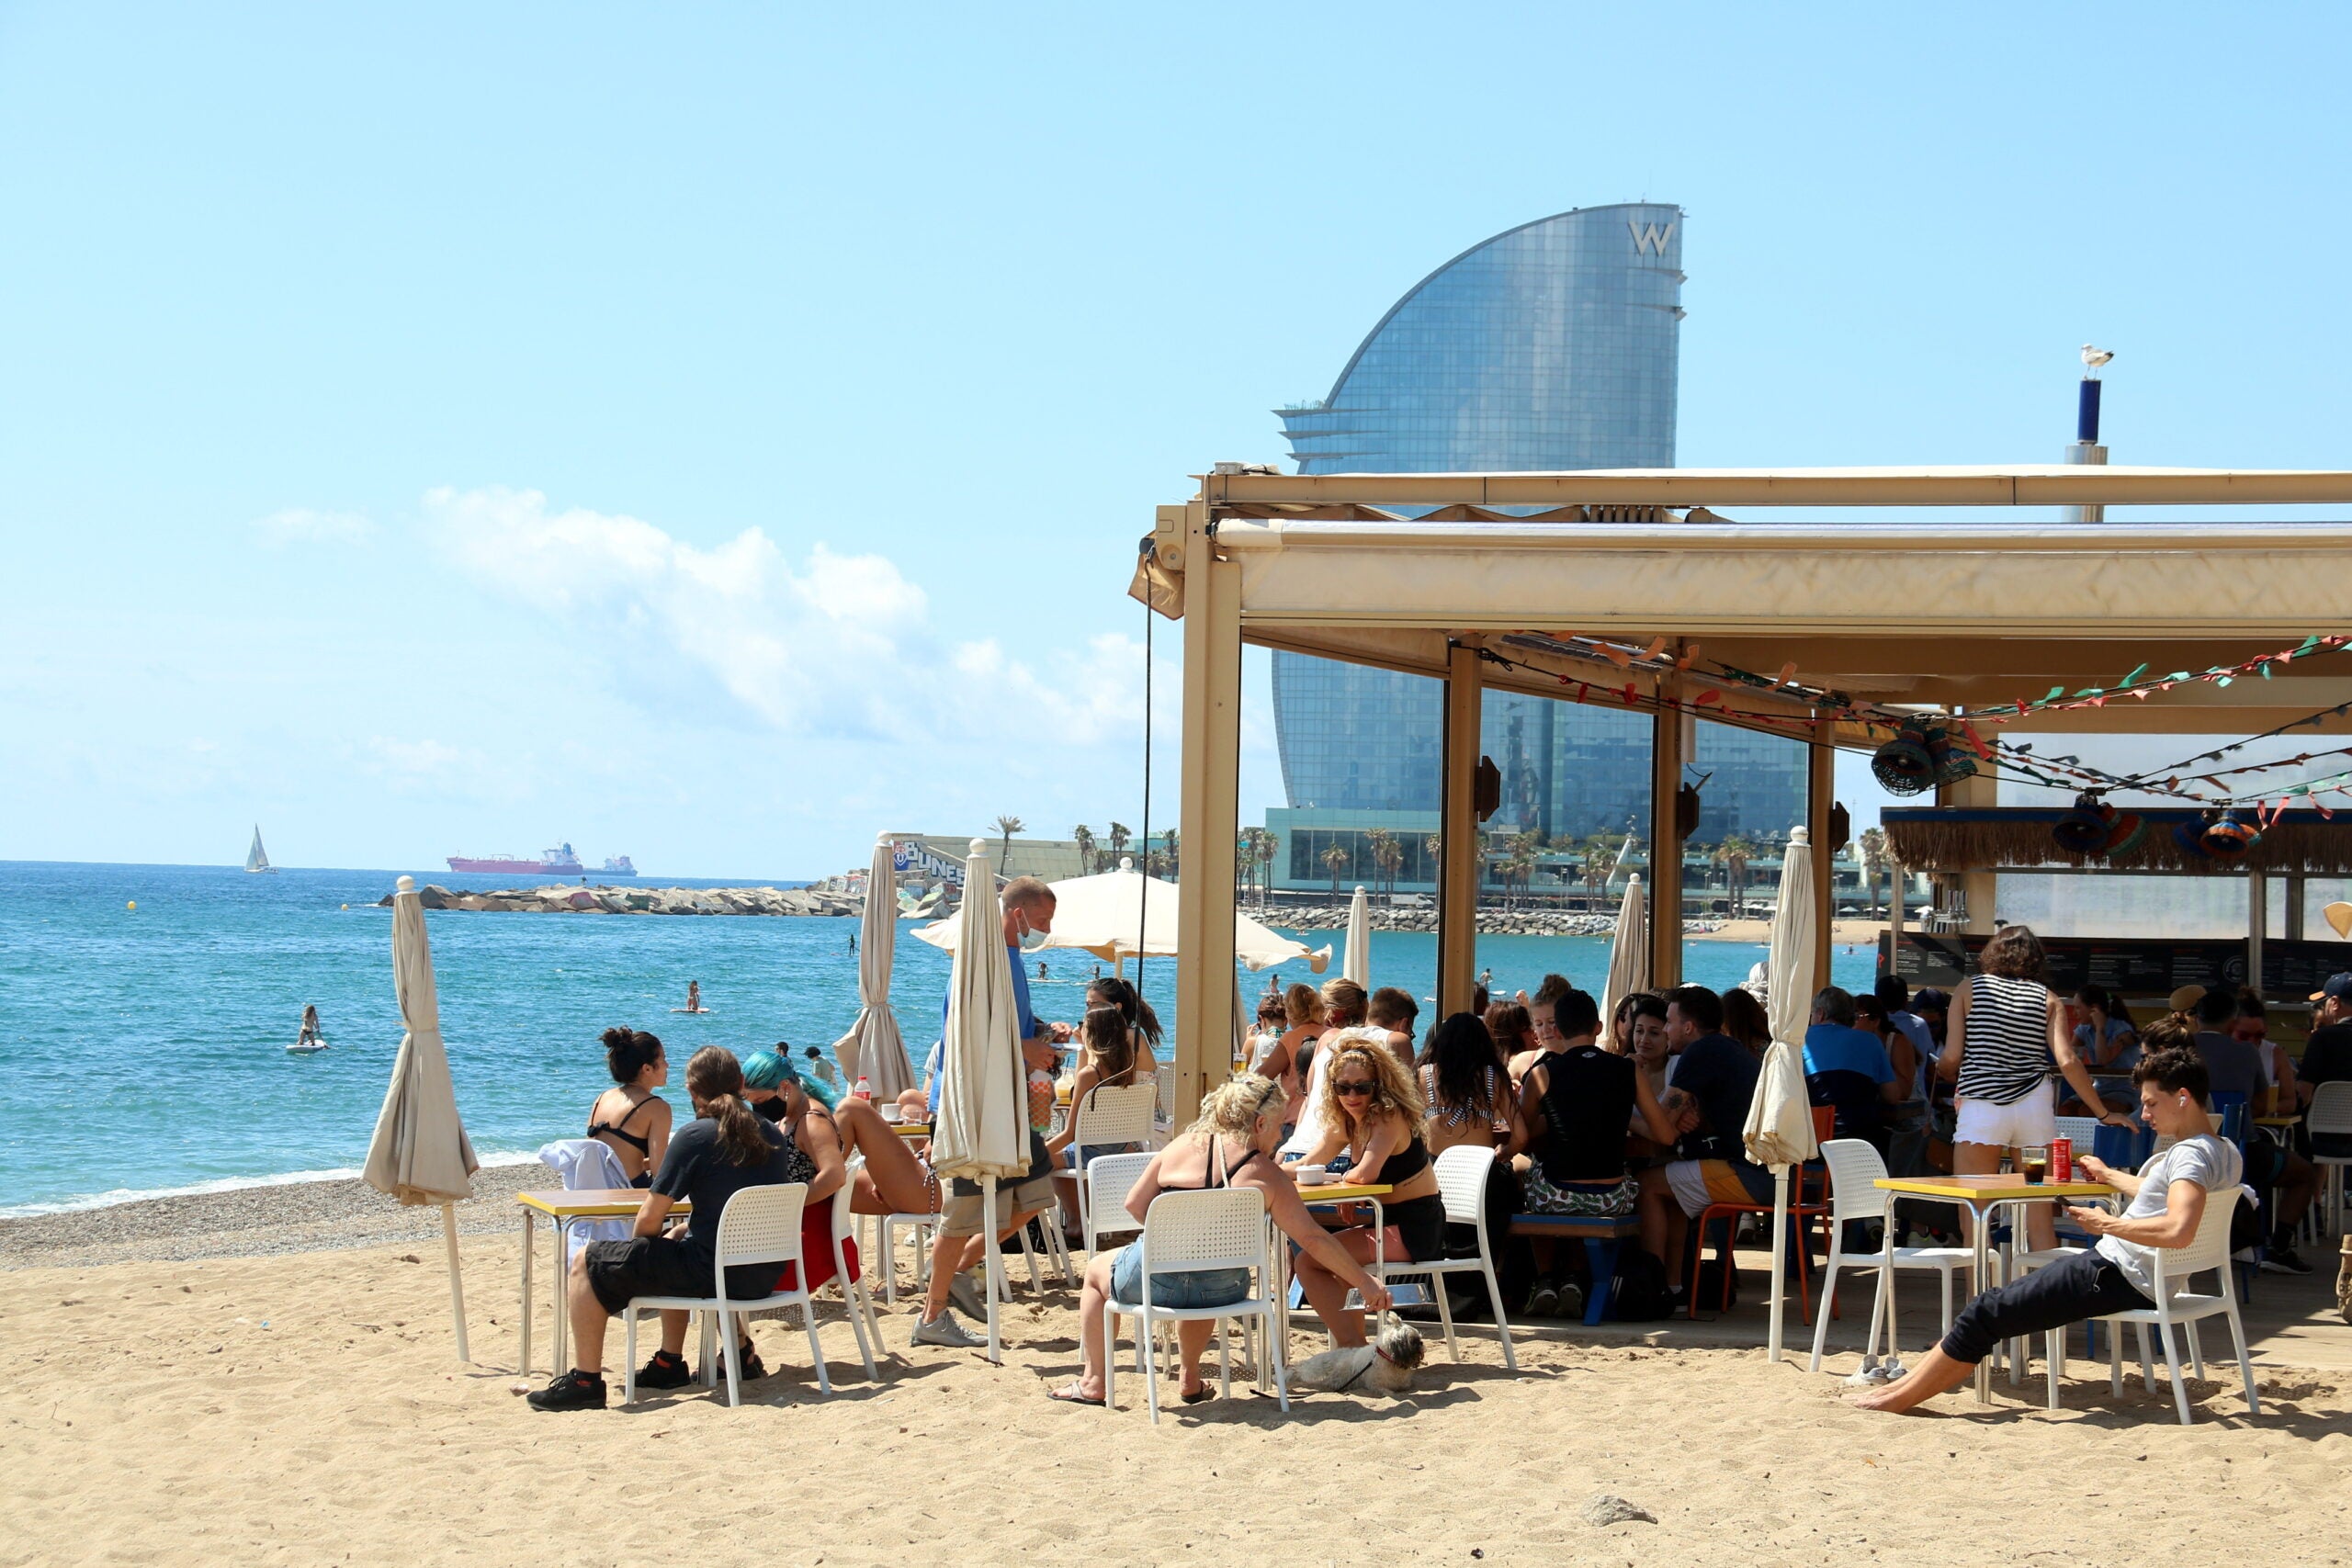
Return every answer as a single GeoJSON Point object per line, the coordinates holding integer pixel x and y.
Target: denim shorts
{"type": "Point", "coordinates": [1207, 1287]}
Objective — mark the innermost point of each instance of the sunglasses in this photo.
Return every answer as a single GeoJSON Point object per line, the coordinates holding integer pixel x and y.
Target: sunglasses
{"type": "Point", "coordinates": [1349, 1090]}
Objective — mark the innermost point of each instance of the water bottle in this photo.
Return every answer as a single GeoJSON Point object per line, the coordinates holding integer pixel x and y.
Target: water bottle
{"type": "Point", "coordinates": [865, 1090]}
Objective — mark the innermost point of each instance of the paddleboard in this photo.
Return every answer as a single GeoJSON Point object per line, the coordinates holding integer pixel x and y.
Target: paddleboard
{"type": "Point", "coordinates": [694, 1013]}
{"type": "Point", "coordinates": [311, 1049]}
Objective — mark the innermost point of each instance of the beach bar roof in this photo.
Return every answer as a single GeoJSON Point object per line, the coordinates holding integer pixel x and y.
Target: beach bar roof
{"type": "Point", "coordinates": [1663, 592]}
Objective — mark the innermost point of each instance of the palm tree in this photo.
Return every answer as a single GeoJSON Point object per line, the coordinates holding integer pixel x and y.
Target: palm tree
{"type": "Point", "coordinates": [1007, 826]}
{"type": "Point", "coordinates": [1336, 859]}
{"type": "Point", "coordinates": [1733, 854]}
{"type": "Point", "coordinates": [1267, 846]}
{"type": "Point", "coordinates": [1872, 846]}
{"type": "Point", "coordinates": [1378, 841]}
{"type": "Point", "coordinates": [1389, 856]}
{"type": "Point", "coordinates": [1118, 838]}
{"type": "Point", "coordinates": [1598, 862]}
{"type": "Point", "coordinates": [1167, 853]}
{"type": "Point", "coordinates": [1085, 837]}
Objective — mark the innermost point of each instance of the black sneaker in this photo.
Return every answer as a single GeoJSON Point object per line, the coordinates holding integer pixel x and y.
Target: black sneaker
{"type": "Point", "coordinates": [664, 1371]}
{"type": "Point", "coordinates": [2282, 1260]}
{"type": "Point", "coordinates": [574, 1390]}
{"type": "Point", "coordinates": [747, 1363]}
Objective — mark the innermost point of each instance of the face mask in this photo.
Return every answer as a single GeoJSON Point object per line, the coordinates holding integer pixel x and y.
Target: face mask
{"type": "Point", "coordinates": [1033, 940]}
{"type": "Point", "coordinates": [769, 1109]}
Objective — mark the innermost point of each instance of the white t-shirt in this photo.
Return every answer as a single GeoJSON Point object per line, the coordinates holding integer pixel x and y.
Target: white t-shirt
{"type": "Point", "coordinates": [2210, 1162]}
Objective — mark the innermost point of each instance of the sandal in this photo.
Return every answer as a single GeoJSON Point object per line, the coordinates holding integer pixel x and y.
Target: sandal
{"type": "Point", "coordinates": [1069, 1394]}
{"type": "Point", "coordinates": [1198, 1395]}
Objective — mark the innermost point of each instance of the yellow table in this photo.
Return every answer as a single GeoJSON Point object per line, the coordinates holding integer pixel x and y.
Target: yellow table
{"type": "Point", "coordinates": [1979, 1195]}
{"type": "Point", "coordinates": [1331, 1194]}
{"type": "Point", "coordinates": [2278, 1120]}
{"type": "Point", "coordinates": [911, 1129]}
{"type": "Point", "coordinates": [565, 1208]}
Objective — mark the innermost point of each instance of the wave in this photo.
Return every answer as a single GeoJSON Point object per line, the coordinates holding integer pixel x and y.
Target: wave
{"type": "Point", "coordinates": [223, 1184]}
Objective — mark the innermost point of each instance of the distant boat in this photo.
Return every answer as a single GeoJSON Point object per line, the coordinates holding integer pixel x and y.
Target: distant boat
{"type": "Point", "coordinates": [559, 862]}
{"type": "Point", "coordinates": [620, 865]}
{"type": "Point", "coordinates": [257, 858]}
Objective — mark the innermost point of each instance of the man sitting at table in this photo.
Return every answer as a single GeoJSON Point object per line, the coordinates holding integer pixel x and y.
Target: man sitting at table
{"type": "Point", "coordinates": [1714, 1078]}
{"type": "Point", "coordinates": [1847, 1067]}
{"type": "Point", "coordinates": [2167, 1199]}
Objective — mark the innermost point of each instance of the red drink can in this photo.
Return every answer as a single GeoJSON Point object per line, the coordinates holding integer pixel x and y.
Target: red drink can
{"type": "Point", "coordinates": [2062, 1159]}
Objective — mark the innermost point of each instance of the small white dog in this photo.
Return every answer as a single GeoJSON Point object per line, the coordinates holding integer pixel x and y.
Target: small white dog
{"type": "Point", "coordinates": [1385, 1366]}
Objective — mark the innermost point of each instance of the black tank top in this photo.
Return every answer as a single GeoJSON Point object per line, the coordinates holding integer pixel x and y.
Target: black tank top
{"type": "Point", "coordinates": [1587, 1103]}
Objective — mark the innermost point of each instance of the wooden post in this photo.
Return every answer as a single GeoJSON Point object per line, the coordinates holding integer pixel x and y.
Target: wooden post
{"type": "Point", "coordinates": [1670, 746]}
{"type": "Point", "coordinates": [1459, 861]}
{"type": "Point", "coordinates": [1209, 813]}
{"type": "Point", "coordinates": [1978, 885]}
{"type": "Point", "coordinates": [1820, 793]}
{"type": "Point", "coordinates": [2293, 928]}
{"type": "Point", "coordinates": [2257, 924]}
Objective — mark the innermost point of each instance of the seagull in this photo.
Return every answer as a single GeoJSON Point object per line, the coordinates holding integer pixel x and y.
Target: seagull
{"type": "Point", "coordinates": [2096, 358]}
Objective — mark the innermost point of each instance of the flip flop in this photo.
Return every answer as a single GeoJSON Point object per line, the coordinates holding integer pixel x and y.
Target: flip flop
{"type": "Point", "coordinates": [1198, 1394]}
{"type": "Point", "coordinates": [1070, 1396]}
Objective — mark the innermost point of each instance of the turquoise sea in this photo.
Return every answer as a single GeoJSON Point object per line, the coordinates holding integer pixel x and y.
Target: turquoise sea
{"type": "Point", "coordinates": [144, 1049]}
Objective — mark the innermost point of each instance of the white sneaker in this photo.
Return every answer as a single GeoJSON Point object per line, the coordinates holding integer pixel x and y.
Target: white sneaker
{"type": "Point", "coordinates": [945, 1331]}
{"type": "Point", "coordinates": [964, 1290]}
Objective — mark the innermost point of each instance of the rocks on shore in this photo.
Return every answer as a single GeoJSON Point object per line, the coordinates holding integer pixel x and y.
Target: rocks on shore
{"type": "Point", "coordinates": [1493, 922]}
{"type": "Point", "coordinates": [573, 898]}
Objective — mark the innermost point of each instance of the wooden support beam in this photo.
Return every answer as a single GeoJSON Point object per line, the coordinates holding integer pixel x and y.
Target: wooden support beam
{"type": "Point", "coordinates": [1670, 747]}
{"type": "Point", "coordinates": [1820, 793]}
{"type": "Point", "coordinates": [1208, 816]}
{"type": "Point", "coordinates": [1459, 861]}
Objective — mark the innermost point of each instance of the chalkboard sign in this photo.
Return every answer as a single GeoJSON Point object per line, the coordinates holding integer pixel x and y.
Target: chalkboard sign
{"type": "Point", "coordinates": [2135, 967]}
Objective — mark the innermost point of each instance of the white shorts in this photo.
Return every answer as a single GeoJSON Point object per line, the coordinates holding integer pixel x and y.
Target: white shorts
{"type": "Point", "coordinates": [2033, 1120]}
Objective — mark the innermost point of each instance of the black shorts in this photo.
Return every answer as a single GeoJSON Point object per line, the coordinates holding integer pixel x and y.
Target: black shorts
{"type": "Point", "coordinates": [620, 1271]}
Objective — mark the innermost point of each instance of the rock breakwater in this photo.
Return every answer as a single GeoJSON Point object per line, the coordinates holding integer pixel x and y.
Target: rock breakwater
{"type": "Point", "coordinates": [562, 898]}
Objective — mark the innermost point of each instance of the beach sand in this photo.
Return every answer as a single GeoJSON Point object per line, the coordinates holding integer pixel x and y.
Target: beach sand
{"type": "Point", "coordinates": [1843, 933]}
{"type": "Point", "coordinates": [306, 1407]}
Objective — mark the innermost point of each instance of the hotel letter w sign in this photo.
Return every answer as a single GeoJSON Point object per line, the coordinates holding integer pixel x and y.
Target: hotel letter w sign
{"type": "Point", "coordinates": [1650, 239]}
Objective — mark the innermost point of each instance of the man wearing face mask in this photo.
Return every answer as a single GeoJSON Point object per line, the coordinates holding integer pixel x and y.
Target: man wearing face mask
{"type": "Point", "coordinates": [1028, 915]}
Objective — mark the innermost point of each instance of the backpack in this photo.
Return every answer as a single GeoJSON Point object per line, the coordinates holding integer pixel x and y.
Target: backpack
{"type": "Point", "coordinates": [1638, 1295]}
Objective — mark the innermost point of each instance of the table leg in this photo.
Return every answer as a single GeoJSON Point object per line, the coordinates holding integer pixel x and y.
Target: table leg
{"type": "Point", "coordinates": [1982, 1231]}
{"type": "Point", "coordinates": [530, 1245]}
{"type": "Point", "coordinates": [563, 1313]}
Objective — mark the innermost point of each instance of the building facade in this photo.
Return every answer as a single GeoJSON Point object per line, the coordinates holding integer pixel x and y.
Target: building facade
{"type": "Point", "coordinates": [1551, 346]}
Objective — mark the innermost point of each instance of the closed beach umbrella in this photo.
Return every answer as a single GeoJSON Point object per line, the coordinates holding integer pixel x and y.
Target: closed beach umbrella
{"type": "Point", "coordinates": [1097, 914]}
{"type": "Point", "coordinates": [872, 1046]}
{"type": "Point", "coordinates": [1358, 965]}
{"type": "Point", "coordinates": [1779, 1117]}
{"type": "Point", "coordinates": [1629, 953]}
{"type": "Point", "coordinates": [981, 1131]}
{"type": "Point", "coordinates": [420, 1153]}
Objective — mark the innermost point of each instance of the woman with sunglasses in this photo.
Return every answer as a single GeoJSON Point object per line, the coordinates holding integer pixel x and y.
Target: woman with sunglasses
{"type": "Point", "coordinates": [1371, 1107]}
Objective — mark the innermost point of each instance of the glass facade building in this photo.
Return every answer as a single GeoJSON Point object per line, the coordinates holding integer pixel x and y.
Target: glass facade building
{"type": "Point", "coordinates": [1551, 346]}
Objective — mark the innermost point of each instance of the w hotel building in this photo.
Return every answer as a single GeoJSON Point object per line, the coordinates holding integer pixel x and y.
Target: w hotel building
{"type": "Point", "coordinates": [1552, 345]}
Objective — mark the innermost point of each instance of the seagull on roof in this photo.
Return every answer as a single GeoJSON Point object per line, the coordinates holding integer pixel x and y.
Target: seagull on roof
{"type": "Point", "coordinates": [2096, 358]}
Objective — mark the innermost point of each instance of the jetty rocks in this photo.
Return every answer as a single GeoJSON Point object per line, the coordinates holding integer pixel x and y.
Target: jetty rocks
{"type": "Point", "coordinates": [1492, 921]}
{"type": "Point", "coordinates": [573, 899]}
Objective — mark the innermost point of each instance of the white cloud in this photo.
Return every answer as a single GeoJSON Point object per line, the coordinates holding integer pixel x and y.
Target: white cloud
{"type": "Point", "coordinates": [832, 645]}
{"type": "Point", "coordinates": [299, 524]}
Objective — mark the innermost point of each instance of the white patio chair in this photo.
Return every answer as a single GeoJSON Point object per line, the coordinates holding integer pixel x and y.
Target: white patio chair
{"type": "Point", "coordinates": [760, 1224]}
{"type": "Point", "coordinates": [1190, 1233]}
{"type": "Point", "coordinates": [854, 1293]}
{"type": "Point", "coordinates": [1854, 1170]}
{"type": "Point", "coordinates": [1461, 1184]}
{"type": "Point", "coordinates": [1109, 1115]}
{"type": "Point", "coordinates": [2207, 1251]}
{"type": "Point", "coordinates": [2331, 1115]}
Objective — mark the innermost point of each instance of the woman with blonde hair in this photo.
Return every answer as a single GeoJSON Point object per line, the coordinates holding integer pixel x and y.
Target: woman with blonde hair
{"type": "Point", "coordinates": [1230, 1145]}
{"type": "Point", "coordinates": [1305, 1022]}
{"type": "Point", "coordinates": [1371, 1108]}
{"type": "Point", "coordinates": [1344, 1005]}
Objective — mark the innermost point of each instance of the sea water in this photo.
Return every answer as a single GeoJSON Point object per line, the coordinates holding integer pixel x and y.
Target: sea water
{"type": "Point", "coordinates": [143, 1050]}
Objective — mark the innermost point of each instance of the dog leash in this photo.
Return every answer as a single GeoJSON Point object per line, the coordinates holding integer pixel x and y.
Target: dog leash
{"type": "Point", "coordinates": [1365, 1368]}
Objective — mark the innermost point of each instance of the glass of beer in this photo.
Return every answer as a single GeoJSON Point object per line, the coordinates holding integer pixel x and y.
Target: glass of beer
{"type": "Point", "coordinates": [2035, 1162]}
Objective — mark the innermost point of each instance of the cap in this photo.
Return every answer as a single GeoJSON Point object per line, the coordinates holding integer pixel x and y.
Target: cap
{"type": "Point", "coordinates": [2338, 987]}
{"type": "Point", "coordinates": [2187, 997]}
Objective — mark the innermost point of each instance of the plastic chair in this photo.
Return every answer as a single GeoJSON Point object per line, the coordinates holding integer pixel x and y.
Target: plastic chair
{"type": "Point", "coordinates": [1800, 1211]}
{"type": "Point", "coordinates": [1164, 1084]}
{"type": "Point", "coordinates": [1110, 1114]}
{"type": "Point", "coordinates": [2331, 1117]}
{"type": "Point", "coordinates": [2208, 1250]}
{"type": "Point", "coordinates": [1190, 1233]}
{"type": "Point", "coordinates": [1462, 1183]}
{"type": "Point", "coordinates": [854, 1292]}
{"type": "Point", "coordinates": [760, 1224]}
{"type": "Point", "coordinates": [1855, 1167]}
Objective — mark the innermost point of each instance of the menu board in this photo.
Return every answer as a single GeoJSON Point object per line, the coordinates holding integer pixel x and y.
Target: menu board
{"type": "Point", "coordinates": [2135, 967]}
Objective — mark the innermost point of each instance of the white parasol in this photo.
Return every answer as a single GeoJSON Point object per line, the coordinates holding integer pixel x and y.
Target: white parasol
{"type": "Point", "coordinates": [872, 1046]}
{"type": "Point", "coordinates": [980, 1131]}
{"type": "Point", "coordinates": [1629, 956]}
{"type": "Point", "coordinates": [1780, 1116]}
{"type": "Point", "coordinates": [1099, 915]}
{"type": "Point", "coordinates": [420, 1153]}
{"type": "Point", "coordinates": [1358, 965]}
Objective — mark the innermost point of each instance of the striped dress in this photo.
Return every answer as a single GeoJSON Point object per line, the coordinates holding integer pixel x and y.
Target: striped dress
{"type": "Point", "coordinates": [2004, 1055]}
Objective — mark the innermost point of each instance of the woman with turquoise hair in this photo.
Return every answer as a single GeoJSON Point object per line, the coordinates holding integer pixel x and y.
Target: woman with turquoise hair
{"type": "Point", "coordinates": [893, 1181]}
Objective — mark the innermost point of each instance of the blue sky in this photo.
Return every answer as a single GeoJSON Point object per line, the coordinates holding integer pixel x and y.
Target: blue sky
{"type": "Point", "coordinates": [718, 433]}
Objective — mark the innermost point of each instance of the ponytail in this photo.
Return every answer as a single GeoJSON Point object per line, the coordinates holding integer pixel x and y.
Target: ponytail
{"type": "Point", "coordinates": [715, 1079]}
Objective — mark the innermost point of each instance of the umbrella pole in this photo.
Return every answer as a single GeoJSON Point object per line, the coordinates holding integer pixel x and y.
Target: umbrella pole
{"type": "Point", "coordinates": [1780, 1255]}
{"type": "Point", "coordinates": [457, 1281]}
{"type": "Point", "coordinates": [995, 1253]}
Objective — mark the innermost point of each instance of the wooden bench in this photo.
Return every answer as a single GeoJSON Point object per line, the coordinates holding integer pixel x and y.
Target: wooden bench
{"type": "Point", "coordinates": [1600, 1234]}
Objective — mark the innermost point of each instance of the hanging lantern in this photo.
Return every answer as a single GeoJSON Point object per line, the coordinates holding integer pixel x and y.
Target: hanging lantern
{"type": "Point", "coordinates": [1903, 766]}
{"type": "Point", "coordinates": [2126, 833]}
{"type": "Point", "coordinates": [2189, 836]}
{"type": "Point", "coordinates": [2230, 838]}
{"type": "Point", "coordinates": [2084, 830]}
{"type": "Point", "coordinates": [1951, 763]}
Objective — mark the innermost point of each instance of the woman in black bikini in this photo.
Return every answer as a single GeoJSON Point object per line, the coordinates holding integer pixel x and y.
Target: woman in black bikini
{"type": "Point", "coordinates": [630, 1119]}
{"type": "Point", "coordinates": [1371, 1108]}
{"type": "Point", "coordinates": [1231, 1145]}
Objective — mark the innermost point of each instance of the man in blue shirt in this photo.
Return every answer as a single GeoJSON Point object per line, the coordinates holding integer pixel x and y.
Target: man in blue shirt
{"type": "Point", "coordinates": [1849, 1068]}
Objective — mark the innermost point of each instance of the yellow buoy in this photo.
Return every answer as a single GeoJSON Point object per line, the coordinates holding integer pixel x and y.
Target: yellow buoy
{"type": "Point", "coordinates": [131, 904]}
{"type": "Point", "coordinates": [346, 906]}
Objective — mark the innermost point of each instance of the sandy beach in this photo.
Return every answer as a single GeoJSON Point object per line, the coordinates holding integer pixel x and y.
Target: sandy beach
{"type": "Point", "coordinates": [190, 1387]}
{"type": "Point", "coordinates": [1842, 933]}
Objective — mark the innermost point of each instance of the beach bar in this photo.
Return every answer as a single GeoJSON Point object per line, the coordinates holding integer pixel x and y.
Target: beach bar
{"type": "Point", "coordinates": [1659, 591]}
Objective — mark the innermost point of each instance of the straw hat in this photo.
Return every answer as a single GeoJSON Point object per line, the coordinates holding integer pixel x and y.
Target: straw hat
{"type": "Point", "coordinates": [2186, 998]}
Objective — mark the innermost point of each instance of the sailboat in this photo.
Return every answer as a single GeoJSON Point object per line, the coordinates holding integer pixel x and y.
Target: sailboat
{"type": "Point", "coordinates": [257, 858]}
